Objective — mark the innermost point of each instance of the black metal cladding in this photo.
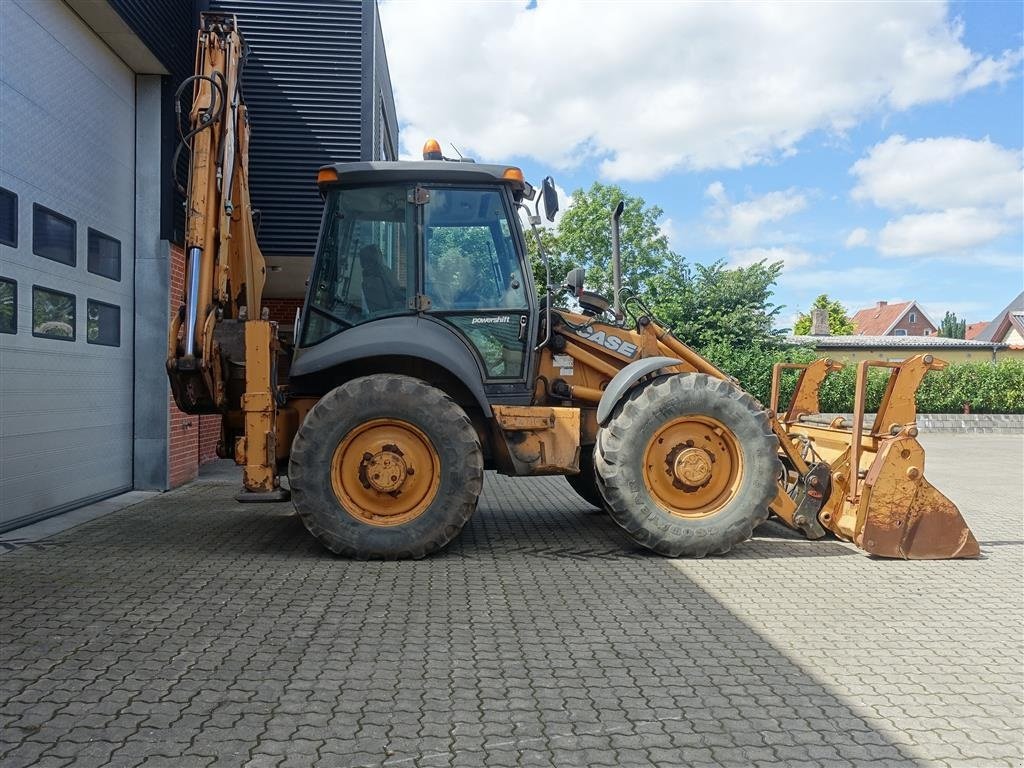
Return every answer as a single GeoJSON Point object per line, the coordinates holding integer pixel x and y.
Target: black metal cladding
{"type": "Point", "coordinates": [314, 82]}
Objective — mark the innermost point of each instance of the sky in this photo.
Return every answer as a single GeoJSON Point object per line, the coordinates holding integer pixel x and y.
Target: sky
{"type": "Point", "coordinates": [874, 148]}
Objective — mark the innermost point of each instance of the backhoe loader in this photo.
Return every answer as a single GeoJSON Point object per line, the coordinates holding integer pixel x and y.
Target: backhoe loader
{"type": "Point", "coordinates": [425, 356]}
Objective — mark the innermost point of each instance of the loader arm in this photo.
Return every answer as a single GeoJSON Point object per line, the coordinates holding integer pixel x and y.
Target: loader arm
{"type": "Point", "coordinates": [871, 487]}
{"type": "Point", "coordinates": [221, 347]}
{"type": "Point", "coordinates": [886, 507]}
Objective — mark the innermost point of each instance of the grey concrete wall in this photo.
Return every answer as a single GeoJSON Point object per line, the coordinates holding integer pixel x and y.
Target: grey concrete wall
{"type": "Point", "coordinates": [152, 270]}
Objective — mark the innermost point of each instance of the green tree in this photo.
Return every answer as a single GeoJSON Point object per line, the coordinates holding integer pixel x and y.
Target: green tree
{"type": "Point", "coordinates": [951, 327]}
{"type": "Point", "coordinates": [838, 323]}
{"type": "Point", "coordinates": [709, 304]}
{"type": "Point", "coordinates": [703, 304]}
{"type": "Point", "coordinates": [583, 239]}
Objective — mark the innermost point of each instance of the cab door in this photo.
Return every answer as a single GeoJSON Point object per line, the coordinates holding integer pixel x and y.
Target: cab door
{"type": "Point", "coordinates": [474, 274]}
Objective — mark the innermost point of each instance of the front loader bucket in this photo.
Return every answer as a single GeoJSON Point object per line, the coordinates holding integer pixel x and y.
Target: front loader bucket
{"type": "Point", "coordinates": [876, 495]}
{"type": "Point", "coordinates": [902, 515]}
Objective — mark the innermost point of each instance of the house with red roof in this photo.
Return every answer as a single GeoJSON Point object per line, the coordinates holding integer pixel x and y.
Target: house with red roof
{"type": "Point", "coordinates": [905, 318]}
{"type": "Point", "coordinates": [974, 330]}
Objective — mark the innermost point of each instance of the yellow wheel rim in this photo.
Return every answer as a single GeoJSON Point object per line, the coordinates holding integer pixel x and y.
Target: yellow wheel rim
{"type": "Point", "coordinates": [692, 466]}
{"type": "Point", "coordinates": [385, 472]}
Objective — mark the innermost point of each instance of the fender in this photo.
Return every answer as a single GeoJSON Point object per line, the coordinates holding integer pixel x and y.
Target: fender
{"type": "Point", "coordinates": [406, 336]}
{"type": "Point", "coordinates": [624, 381]}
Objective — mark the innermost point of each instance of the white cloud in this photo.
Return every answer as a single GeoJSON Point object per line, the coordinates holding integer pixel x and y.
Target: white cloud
{"type": "Point", "coordinates": [742, 222]}
{"type": "Point", "coordinates": [857, 238]}
{"type": "Point", "coordinates": [790, 257]}
{"type": "Point", "coordinates": [933, 174]}
{"type": "Point", "coordinates": [964, 194]}
{"type": "Point", "coordinates": [649, 87]}
{"type": "Point", "coordinates": [950, 231]}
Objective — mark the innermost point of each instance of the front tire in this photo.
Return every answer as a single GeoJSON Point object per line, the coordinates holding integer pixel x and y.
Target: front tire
{"type": "Point", "coordinates": [385, 467]}
{"type": "Point", "coordinates": [688, 465]}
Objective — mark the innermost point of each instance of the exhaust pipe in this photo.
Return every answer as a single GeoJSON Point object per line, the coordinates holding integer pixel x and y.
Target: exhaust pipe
{"type": "Point", "coordinates": [192, 300]}
{"type": "Point", "coordinates": [616, 260]}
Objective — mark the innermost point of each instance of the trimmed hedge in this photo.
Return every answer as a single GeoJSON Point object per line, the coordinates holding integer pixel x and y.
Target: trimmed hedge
{"type": "Point", "coordinates": [986, 387]}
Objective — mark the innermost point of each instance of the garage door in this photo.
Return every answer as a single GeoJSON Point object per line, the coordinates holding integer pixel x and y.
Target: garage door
{"type": "Point", "coordinates": [67, 117]}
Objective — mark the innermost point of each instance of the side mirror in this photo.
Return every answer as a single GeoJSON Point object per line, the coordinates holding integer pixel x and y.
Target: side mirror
{"type": "Point", "coordinates": [550, 196]}
{"type": "Point", "coordinates": [574, 280]}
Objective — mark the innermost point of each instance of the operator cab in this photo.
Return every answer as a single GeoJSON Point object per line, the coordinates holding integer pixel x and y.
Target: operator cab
{"type": "Point", "coordinates": [434, 241]}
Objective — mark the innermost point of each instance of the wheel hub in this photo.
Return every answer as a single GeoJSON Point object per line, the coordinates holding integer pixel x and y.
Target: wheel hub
{"type": "Point", "coordinates": [386, 470]}
{"type": "Point", "coordinates": [692, 467]}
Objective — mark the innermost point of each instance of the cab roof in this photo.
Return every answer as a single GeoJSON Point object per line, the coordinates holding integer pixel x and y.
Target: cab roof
{"type": "Point", "coordinates": [437, 171]}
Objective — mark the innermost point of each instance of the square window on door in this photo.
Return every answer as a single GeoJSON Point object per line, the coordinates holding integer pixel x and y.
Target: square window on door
{"type": "Point", "coordinates": [104, 255]}
{"type": "Point", "coordinates": [8, 218]}
{"type": "Point", "coordinates": [53, 236]}
{"type": "Point", "coordinates": [8, 306]}
{"type": "Point", "coordinates": [103, 324]}
{"type": "Point", "coordinates": [53, 314]}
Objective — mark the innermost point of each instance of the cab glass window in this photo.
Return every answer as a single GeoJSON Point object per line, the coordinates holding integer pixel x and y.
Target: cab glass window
{"type": "Point", "coordinates": [362, 270]}
{"type": "Point", "coordinates": [470, 260]}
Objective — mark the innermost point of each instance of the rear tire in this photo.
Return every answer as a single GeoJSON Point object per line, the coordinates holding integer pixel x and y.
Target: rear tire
{"type": "Point", "coordinates": [585, 483]}
{"type": "Point", "coordinates": [688, 465]}
{"type": "Point", "coordinates": [385, 467]}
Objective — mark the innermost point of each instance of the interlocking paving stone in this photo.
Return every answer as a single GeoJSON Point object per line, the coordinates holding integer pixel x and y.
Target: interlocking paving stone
{"type": "Point", "coordinates": [189, 630]}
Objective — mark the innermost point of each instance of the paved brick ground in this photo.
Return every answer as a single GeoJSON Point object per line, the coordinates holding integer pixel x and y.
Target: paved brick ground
{"type": "Point", "coordinates": [188, 630]}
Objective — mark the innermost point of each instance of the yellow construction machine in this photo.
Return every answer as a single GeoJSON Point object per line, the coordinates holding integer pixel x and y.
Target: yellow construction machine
{"type": "Point", "coordinates": [425, 356]}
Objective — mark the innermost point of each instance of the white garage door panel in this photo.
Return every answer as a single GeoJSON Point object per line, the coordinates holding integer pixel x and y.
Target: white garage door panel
{"type": "Point", "coordinates": [37, 486]}
{"type": "Point", "coordinates": [31, 138]}
{"type": "Point", "coordinates": [67, 127]}
{"type": "Point", "coordinates": [21, 371]}
{"type": "Point", "coordinates": [72, 106]}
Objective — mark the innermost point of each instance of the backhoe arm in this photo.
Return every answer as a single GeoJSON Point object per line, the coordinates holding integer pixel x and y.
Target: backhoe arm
{"type": "Point", "coordinates": [225, 271]}
{"type": "Point", "coordinates": [221, 348]}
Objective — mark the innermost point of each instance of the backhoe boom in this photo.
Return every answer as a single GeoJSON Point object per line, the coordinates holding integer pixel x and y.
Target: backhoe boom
{"type": "Point", "coordinates": [221, 347]}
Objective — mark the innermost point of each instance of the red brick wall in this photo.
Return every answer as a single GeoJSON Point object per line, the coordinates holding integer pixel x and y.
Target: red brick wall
{"type": "Point", "coordinates": [916, 328]}
{"type": "Point", "coordinates": [209, 436]}
{"type": "Point", "coordinates": [182, 448]}
{"type": "Point", "coordinates": [282, 311]}
{"type": "Point", "coordinates": [192, 440]}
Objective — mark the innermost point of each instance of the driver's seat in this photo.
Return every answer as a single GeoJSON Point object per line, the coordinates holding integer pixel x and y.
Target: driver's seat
{"type": "Point", "coordinates": [380, 290]}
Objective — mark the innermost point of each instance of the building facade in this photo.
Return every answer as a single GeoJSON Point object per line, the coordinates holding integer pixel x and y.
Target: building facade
{"type": "Point", "coordinates": [91, 264]}
{"type": "Point", "coordinates": [905, 318]}
{"type": "Point", "coordinates": [1008, 326]}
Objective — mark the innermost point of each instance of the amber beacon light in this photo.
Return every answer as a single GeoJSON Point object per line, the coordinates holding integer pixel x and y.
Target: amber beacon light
{"type": "Point", "coordinates": [432, 150]}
